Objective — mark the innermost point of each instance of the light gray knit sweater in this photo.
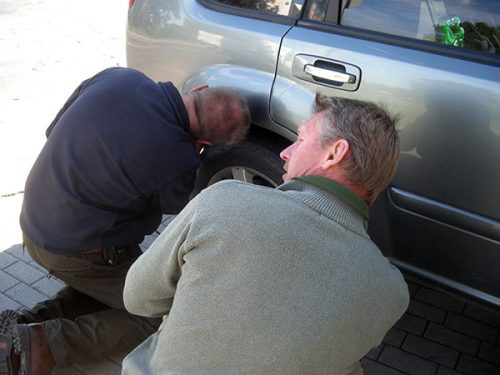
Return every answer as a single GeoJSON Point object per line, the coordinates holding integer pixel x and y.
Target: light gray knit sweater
{"type": "Point", "coordinates": [263, 281]}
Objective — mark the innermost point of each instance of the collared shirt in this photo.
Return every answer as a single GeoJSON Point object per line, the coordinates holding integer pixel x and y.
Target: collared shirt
{"type": "Point", "coordinates": [346, 195]}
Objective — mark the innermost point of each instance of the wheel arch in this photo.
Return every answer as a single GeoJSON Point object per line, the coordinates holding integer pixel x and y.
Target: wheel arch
{"type": "Point", "coordinates": [254, 85]}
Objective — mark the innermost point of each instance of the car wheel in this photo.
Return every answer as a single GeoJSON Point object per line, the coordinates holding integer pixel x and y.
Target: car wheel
{"type": "Point", "coordinates": [248, 162]}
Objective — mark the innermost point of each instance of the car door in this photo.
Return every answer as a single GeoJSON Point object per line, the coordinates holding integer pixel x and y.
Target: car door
{"type": "Point", "coordinates": [435, 63]}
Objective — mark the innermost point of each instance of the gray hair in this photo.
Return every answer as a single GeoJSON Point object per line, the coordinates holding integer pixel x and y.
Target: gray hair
{"type": "Point", "coordinates": [372, 136]}
{"type": "Point", "coordinates": [223, 115]}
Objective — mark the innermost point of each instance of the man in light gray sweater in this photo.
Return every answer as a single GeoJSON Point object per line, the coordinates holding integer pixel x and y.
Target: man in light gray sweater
{"type": "Point", "coordinates": [253, 280]}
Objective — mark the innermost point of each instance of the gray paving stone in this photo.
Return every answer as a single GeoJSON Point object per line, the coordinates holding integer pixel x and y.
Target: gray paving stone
{"type": "Point", "coordinates": [483, 314]}
{"type": "Point", "coordinates": [473, 366]}
{"type": "Point", "coordinates": [447, 371]}
{"type": "Point", "coordinates": [395, 337]}
{"type": "Point", "coordinates": [48, 286]}
{"type": "Point", "coordinates": [415, 280]}
{"type": "Point", "coordinates": [34, 264]}
{"type": "Point", "coordinates": [375, 352]}
{"type": "Point", "coordinates": [7, 281]}
{"type": "Point", "coordinates": [8, 303]}
{"type": "Point", "coordinates": [6, 259]}
{"type": "Point", "coordinates": [19, 252]}
{"type": "Point", "coordinates": [25, 295]}
{"type": "Point", "coordinates": [412, 324]}
{"type": "Point", "coordinates": [471, 327]}
{"type": "Point", "coordinates": [490, 353]}
{"type": "Point", "coordinates": [456, 340]}
{"type": "Point", "coordinates": [431, 350]}
{"type": "Point", "coordinates": [148, 240]}
{"type": "Point", "coordinates": [427, 312]}
{"type": "Point", "coordinates": [406, 362]}
{"type": "Point", "coordinates": [24, 272]}
{"type": "Point", "coordinates": [412, 288]}
{"type": "Point", "coordinates": [165, 222]}
{"type": "Point", "coordinates": [374, 368]}
{"type": "Point", "coordinates": [440, 299]}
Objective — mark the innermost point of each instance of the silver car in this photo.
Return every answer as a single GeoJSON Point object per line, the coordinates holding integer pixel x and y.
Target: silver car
{"type": "Point", "coordinates": [436, 63]}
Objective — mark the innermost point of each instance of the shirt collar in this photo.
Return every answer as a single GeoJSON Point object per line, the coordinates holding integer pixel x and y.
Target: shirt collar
{"type": "Point", "coordinates": [346, 195]}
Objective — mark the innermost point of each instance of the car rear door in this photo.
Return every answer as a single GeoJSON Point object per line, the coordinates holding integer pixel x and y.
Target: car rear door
{"type": "Point", "coordinates": [436, 64]}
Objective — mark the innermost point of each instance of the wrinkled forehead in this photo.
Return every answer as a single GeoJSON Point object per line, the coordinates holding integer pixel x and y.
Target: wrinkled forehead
{"type": "Point", "coordinates": [313, 124]}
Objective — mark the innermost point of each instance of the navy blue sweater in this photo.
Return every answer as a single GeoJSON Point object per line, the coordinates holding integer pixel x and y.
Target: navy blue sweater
{"type": "Point", "coordinates": [118, 156]}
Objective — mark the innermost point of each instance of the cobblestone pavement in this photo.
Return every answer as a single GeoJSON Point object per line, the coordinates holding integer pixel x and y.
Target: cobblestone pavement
{"type": "Point", "coordinates": [440, 334]}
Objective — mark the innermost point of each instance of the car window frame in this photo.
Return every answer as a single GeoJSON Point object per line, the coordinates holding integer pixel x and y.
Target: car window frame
{"type": "Point", "coordinates": [396, 40]}
{"type": "Point", "coordinates": [334, 25]}
{"type": "Point", "coordinates": [249, 13]}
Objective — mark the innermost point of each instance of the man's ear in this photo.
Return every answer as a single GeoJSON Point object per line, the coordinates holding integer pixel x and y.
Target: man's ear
{"type": "Point", "coordinates": [199, 88]}
{"type": "Point", "coordinates": [337, 152]}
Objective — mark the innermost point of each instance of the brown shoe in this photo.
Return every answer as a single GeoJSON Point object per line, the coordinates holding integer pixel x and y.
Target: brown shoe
{"type": "Point", "coordinates": [9, 359]}
{"type": "Point", "coordinates": [30, 343]}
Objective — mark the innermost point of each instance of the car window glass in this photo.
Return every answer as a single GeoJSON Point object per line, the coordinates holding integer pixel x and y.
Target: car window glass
{"type": "Point", "coordinates": [470, 24]}
{"type": "Point", "coordinates": [316, 10]}
{"type": "Point", "coordinates": [291, 8]}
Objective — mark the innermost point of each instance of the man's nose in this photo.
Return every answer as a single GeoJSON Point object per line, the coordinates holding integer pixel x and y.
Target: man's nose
{"type": "Point", "coordinates": [285, 154]}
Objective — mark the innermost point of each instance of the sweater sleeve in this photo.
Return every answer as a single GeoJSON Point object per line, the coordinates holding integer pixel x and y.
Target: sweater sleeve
{"type": "Point", "coordinates": [152, 280]}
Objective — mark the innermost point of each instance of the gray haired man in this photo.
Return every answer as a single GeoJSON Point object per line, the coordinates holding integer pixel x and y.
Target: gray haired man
{"type": "Point", "coordinates": [252, 280]}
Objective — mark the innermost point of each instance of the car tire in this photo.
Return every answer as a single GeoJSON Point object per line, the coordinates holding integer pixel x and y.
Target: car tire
{"type": "Point", "coordinates": [248, 161]}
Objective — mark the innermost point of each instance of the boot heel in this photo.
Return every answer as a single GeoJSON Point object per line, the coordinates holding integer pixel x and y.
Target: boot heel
{"type": "Point", "coordinates": [7, 324]}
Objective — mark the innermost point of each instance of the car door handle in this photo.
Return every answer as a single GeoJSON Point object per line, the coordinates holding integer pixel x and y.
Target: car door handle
{"type": "Point", "coordinates": [320, 70]}
{"type": "Point", "coordinates": [330, 75]}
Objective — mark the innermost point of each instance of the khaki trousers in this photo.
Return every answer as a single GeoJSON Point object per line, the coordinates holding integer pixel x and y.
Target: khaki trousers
{"type": "Point", "coordinates": [86, 321]}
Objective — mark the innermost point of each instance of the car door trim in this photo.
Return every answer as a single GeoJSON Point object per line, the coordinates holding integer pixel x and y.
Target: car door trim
{"type": "Point", "coordinates": [458, 218]}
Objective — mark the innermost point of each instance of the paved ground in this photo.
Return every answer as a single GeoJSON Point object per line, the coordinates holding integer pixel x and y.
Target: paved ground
{"type": "Point", "coordinates": [440, 334]}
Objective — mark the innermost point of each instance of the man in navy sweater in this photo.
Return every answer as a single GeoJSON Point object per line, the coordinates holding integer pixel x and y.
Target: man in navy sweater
{"type": "Point", "coordinates": [122, 152]}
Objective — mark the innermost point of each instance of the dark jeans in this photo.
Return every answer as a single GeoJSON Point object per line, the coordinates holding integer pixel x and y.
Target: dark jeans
{"type": "Point", "coordinates": [86, 321]}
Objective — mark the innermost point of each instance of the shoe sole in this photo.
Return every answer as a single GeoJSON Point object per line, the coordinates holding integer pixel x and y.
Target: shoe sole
{"type": "Point", "coordinates": [22, 346]}
{"type": "Point", "coordinates": [8, 321]}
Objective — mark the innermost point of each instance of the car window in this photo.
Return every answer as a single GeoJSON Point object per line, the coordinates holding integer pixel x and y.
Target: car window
{"type": "Point", "coordinates": [469, 24]}
{"type": "Point", "coordinates": [290, 8]}
{"type": "Point", "coordinates": [316, 10]}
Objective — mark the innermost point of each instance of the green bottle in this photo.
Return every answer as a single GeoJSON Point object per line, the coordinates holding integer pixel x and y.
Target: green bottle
{"type": "Point", "coordinates": [452, 33]}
